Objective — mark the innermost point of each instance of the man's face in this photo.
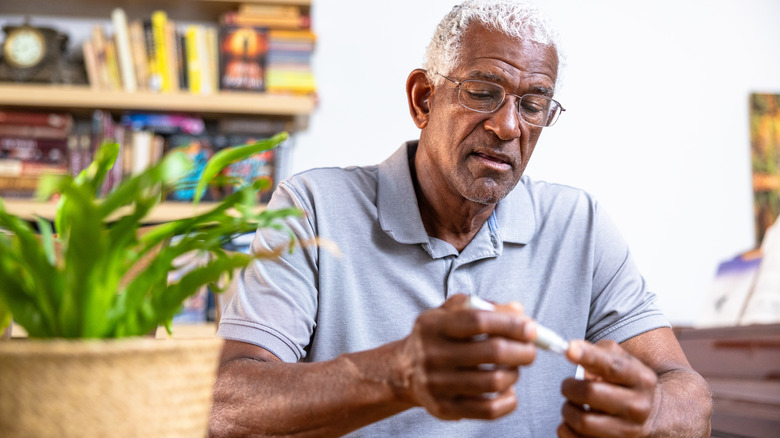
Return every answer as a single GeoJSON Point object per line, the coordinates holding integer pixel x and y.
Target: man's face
{"type": "Point", "coordinates": [478, 156]}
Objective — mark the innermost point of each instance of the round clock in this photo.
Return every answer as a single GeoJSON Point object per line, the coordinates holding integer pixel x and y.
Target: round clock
{"type": "Point", "coordinates": [24, 47]}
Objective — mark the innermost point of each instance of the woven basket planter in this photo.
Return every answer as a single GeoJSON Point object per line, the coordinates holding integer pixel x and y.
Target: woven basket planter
{"type": "Point", "coordinates": [136, 387]}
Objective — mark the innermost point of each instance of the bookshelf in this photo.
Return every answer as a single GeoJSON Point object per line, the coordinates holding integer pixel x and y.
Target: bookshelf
{"type": "Point", "coordinates": [82, 99]}
{"type": "Point", "coordinates": [165, 212]}
{"type": "Point", "coordinates": [64, 97]}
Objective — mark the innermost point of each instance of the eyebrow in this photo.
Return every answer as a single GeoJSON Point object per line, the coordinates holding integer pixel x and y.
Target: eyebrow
{"type": "Point", "coordinates": [492, 77]}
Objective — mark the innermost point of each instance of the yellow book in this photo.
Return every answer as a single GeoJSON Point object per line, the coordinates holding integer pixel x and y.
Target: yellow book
{"type": "Point", "coordinates": [212, 57]}
{"type": "Point", "coordinates": [159, 25]}
{"type": "Point", "coordinates": [194, 63]}
{"type": "Point", "coordinates": [112, 64]}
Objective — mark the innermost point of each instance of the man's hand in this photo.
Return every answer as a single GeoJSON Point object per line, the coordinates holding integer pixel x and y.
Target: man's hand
{"type": "Point", "coordinates": [463, 363]}
{"type": "Point", "coordinates": [615, 399]}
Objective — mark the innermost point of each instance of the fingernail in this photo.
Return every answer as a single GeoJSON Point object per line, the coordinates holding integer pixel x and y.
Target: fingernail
{"type": "Point", "coordinates": [516, 306]}
{"type": "Point", "coordinates": [575, 351]}
{"type": "Point", "coordinates": [529, 331]}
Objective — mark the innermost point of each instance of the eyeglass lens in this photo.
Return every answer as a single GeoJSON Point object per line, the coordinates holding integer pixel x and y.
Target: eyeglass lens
{"type": "Point", "coordinates": [487, 97]}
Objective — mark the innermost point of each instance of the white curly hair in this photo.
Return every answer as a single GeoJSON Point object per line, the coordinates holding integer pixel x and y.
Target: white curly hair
{"type": "Point", "coordinates": [518, 20]}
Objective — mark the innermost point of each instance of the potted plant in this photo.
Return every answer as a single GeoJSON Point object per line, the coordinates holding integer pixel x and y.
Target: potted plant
{"type": "Point", "coordinates": [90, 290]}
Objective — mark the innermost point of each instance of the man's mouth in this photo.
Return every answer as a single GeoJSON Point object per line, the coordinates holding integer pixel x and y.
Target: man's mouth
{"type": "Point", "coordinates": [492, 161]}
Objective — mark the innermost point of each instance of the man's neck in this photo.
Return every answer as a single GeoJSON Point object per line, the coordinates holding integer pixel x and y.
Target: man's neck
{"type": "Point", "coordinates": [453, 221]}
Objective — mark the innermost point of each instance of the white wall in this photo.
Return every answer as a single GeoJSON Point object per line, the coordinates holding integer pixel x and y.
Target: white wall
{"type": "Point", "coordinates": [656, 125]}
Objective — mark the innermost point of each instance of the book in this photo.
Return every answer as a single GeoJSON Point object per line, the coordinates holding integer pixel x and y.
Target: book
{"type": "Point", "coordinates": [112, 65]}
{"type": "Point", "coordinates": [138, 52]}
{"type": "Point", "coordinates": [124, 50]}
{"type": "Point", "coordinates": [142, 144]}
{"type": "Point", "coordinates": [161, 49]}
{"type": "Point", "coordinates": [51, 151]}
{"type": "Point", "coordinates": [32, 131]}
{"type": "Point", "coordinates": [270, 10]}
{"type": "Point", "coordinates": [29, 158]}
{"type": "Point", "coordinates": [172, 55]}
{"type": "Point", "coordinates": [155, 80]}
{"type": "Point", "coordinates": [195, 40]}
{"type": "Point", "coordinates": [266, 127]}
{"type": "Point", "coordinates": [18, 186]}
{"type": "Point", "coordinates": [91, 64]}
{"type": "Point", "coordinates": [62, 121]}
{"type": "Point", "coordinates": [199, 149]}
{"type": "Point", "coordinates": [181, 60]}
{"type": "Point", "coordinates": [99, 45]}
{"type": "Point", "coordinates": [259, 166]}
{"type": "Point", "coordinates": [164, 123]}
{"type": "Point", "coordinates": [212, 58]}
{"type": "Point", "coordinates": [242, 56]}
{"type": "Point", "coordinates": [275, 22]}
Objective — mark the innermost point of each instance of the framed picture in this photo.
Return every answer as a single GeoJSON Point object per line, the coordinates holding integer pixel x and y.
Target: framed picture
{"type": "Point", "coordinates": [765, 160]}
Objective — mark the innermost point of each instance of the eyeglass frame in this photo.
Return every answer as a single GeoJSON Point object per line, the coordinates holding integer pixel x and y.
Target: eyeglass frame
{"type": "Point", "coordinates": [503, 99]}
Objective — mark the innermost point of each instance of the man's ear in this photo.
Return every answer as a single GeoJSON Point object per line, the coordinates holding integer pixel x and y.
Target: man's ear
{"type": "Point", "coordinates": [418, 94]}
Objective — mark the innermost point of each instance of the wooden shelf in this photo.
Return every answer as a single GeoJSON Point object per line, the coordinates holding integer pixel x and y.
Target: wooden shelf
{"type": "Point", "coordinates": [189, 10]}
{"type": "Point", "coordinates": [165, 212]}
{"type": "Point", "coordinates": [81, 97]}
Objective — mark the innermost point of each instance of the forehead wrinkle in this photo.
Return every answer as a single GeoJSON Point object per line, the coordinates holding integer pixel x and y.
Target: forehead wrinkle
{"type": "Point", "coordinates": [492, 77]}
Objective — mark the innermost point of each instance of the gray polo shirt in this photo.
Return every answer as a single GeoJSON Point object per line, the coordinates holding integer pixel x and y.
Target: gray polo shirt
{"type": "Point", "coordinates": [548, 246]}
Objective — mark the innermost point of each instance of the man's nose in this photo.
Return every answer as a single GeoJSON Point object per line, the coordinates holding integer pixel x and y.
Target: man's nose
{"type": "Point", "coordinates": [505, 121]}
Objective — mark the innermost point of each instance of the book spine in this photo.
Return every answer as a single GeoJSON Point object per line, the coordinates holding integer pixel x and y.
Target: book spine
{"type": "Point", "coordinates": [269, 10]}
{"type": "Point", "coordinates": [138, 49]}
{"type": "Point", "coordinates": [101, 62]}
{"type": "Point", "coordinates": [181, 60]}
{"type": "Point", "coordinates": [54, 120]}
{"type": "Point", "coordinates": [112, 65]}
{"type": "Point", "coordinates": [124, 52]}
{"type": "Point", "coordinates": [212, 51]}
{"type": "Point", "coordinates": [159, 23]}
{"type": "Point", "coordinates": [33, 131]}
{"type": "Point", "coordinates": [142, 150]}
{"type": "Point", "coordinates": [74, 155]}
{"type": "Point", "coordinates": [53, 151]}
{"type": "Point", "coordinates": [194, 63]}
{"type": "Point", "coordinates": [155, 77]}
{"type": "Point", "coordinates": [172, 56]}
{"type": "Point", "coordinates": [91, 64]}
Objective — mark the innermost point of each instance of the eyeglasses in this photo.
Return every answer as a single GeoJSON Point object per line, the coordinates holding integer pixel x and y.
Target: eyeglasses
{"type": "Point", "coordinates": [487, 97]}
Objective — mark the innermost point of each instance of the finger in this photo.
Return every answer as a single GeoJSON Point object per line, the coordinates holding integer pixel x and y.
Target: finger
{"type": "Point", "coordinates": [608, 398]}
{"type": "Point", "coordinates": [565, 431]}
{"type": "Point", "coordinates": [449, 384]}
{"type": "Point", "coordinates": [589, 423]}
{"type": "Point", "coordinates": [493, 350]}
{"type": "Point", "coordinates": [613, 364]}
{"type": "Point", "coordinates": [468, 323]}
{"type": "Point", "coordinates": [487, 408]}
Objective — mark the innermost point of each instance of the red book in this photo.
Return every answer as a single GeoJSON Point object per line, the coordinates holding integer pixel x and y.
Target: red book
{"type": "Point", "coordinates": [52, 120]}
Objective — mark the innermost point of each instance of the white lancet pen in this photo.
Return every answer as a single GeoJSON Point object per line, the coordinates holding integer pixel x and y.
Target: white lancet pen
{"type": "Point", "coordinates": [545, 338]}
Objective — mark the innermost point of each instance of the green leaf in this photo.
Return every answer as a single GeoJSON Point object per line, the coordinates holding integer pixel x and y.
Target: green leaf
{"type": "Point", "coordinates": [227, 156]}
{"type": "Point", "coordinates": [74, 283]}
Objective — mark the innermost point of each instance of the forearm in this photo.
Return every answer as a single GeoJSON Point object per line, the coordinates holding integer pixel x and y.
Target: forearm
{"type": "Point", "coordinates": [683, 406]}
{"type": "Point", "coordinates": [254, 398]}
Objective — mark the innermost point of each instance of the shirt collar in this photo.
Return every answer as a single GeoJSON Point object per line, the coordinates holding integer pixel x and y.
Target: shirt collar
{"type": "Point", "coordinates": [401, 219]}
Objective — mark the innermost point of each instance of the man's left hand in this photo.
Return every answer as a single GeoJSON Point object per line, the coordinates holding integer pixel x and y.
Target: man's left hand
{"type": "Point", "coordinates": [615, 399]}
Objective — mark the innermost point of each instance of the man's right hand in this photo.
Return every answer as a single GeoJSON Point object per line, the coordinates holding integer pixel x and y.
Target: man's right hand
{"type": "Point", "coordinates": [463, 363]}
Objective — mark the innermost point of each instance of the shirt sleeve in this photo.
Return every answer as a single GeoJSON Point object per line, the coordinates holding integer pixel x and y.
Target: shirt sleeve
{"type": "Point", "coordinates": [274, 302]}
{"type": "Point", "coordinates": [621, 304]}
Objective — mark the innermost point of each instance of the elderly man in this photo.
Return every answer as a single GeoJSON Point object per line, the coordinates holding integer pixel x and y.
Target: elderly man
{"type": "Point", "coordinates": [382, 341]}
